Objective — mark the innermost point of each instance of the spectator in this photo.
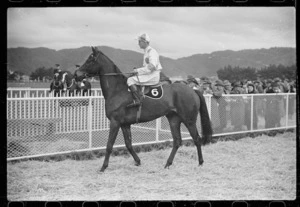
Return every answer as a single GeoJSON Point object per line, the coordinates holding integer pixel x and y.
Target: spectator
{"type": "Point", "coordinates": [272, 115]}
{"type": "Point", "coordinates": [193, 83]}
{"type": "Point", "coordinates": [237, 107]}
{"type": "Point", "coordinates": [244, 83]}
{"type": "Point", "coordinates": [251, 90]}
{"type": "Point", "coordinates": [218, 92]}
{"type": "Point", "coordinates": [280, 84]}
{"type": "Point", "coordinates": [292, 99]}
{"type": "Point", "coordinates": [286, 86]}
{"type": "Point", "coordinates": [206, 87]}
{"type": "Point", "coordinates": [215, 119]}
{"type": "Point", "coordinates": [267, 86]}
{"type": "Point", "coordinates": [259, 86]}
{"type": "Point", "coordinates": [260, 104]}
{"type": "Point", "coordinates": [227, 87]}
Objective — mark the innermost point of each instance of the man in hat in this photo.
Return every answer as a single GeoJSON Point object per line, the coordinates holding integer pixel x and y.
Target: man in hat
{"type": "Point", "coordinates": [227, 87]}
{"type": "Point", "coordinates": [259, 87]}
{"type": "Point", "coordinates": [251, 89]}
{"type": "Point", "coordinates": [149, 74]}
{"type": "Point", "coordinates": [286, 85]}
{"type": "Point", "coordinates": [268, 85]}
{"type": "Point", "coordinates": [218, 92]}
{"type": "Point", "coordinates": [192, 82]}
{"type": "Point", "coordinates": [274, 107]}
{"type": "Point", "coordinates": [206, 87]}
{"type": "Point", "coordinates": [237, 107]}
{"type": "Point", "coordinates": [280, 83]}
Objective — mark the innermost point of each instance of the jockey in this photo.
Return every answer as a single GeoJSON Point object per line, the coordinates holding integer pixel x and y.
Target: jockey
{"type": "Point", "coordinates": [57, 70]}
{"type": "Point", "coordinates": [57, 76]}
{"type": "Point", "coordinates": [149, 74]}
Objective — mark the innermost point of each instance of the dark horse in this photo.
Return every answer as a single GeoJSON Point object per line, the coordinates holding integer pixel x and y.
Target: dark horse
{"type": "Point", "coordinates": [57, 86]}
{"type": "Point", "coordinates": [180, 104]}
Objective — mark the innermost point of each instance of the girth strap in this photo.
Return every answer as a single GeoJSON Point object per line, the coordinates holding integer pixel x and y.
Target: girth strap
{"type": "Point", "coordinates": [139, 112]}
{"type": "Point", "coordinates": [138, 116]}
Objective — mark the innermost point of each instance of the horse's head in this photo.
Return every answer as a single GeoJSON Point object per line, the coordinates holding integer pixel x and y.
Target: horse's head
{"type": "Point", "coordinates": [96, 64]}
{"type": "Point", "coordinates": [91, 65]}
{"type": "Point", "coordinates": [57, 83]}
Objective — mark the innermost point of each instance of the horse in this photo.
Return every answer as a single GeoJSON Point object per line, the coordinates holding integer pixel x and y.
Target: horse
{"type": "Point", "coordinates": [71, 84]}
{"type": "Point", "coordinates": [179, 103]}
{"type": "Point", "coordinates": [74, 87]}
{"type": "Point", "coordinates": [57, 86]}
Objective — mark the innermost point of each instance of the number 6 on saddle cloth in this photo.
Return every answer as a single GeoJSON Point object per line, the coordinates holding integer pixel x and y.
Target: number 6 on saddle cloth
{"type": "Point", "coordinates": [154, 92]}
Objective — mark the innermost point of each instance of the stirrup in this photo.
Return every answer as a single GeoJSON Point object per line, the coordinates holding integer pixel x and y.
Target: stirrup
{"type": "Point", "coordinates": [135, 103]}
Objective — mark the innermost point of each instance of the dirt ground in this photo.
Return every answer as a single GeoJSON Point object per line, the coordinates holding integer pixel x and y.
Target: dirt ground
{"type": "Point", "coordinates": [261, 168]}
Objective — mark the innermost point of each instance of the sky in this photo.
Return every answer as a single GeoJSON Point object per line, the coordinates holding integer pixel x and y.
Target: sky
{"type": "Point", "coordinates": [174, 31]}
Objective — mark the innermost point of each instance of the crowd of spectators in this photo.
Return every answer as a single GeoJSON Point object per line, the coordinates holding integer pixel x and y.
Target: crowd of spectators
{"type": "Point", "coordinates": [237, 109]}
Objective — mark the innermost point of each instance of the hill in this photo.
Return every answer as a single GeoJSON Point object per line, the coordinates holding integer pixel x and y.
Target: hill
{"type": "Point", "coordinates": [27, 60]}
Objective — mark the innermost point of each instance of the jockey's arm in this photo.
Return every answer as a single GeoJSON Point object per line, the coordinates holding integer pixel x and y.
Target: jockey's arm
{"type": "Point", "coordinates": [150, 65]}
{"type": "Point", "coordinates": [149, 68]}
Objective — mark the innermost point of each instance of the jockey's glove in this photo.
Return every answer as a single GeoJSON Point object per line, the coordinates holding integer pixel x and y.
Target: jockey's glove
{"type": "Point", "coordinates": [133, 74]}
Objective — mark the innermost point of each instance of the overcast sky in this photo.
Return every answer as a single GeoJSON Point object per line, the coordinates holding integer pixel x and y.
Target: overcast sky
{"type": "Point", "coordinates": [174, 32]}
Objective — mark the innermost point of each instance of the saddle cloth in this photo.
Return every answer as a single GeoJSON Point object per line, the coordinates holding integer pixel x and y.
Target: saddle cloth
{"type": "Point", "coordinates": [153, 91]}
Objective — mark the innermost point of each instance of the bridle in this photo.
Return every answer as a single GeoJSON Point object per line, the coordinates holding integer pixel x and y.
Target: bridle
{"type": "Point", "coordinates": [58, 84]}
{"type": "Point", "coordinates": [109, 74]}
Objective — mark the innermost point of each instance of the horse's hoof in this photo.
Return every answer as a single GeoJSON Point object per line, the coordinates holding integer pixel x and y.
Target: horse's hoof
{"type": "Point", "coordinates": [167, 166]}
{"type": "Point", "coordinates": [201, 163]}
{"type": "Point", "coordinates": [101, 170]}
{"type": "Point", "coordinates": [137, 163]}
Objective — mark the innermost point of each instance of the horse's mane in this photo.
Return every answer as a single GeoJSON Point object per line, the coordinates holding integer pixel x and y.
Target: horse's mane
{"type": "Point", "coordinates": [115, 67]}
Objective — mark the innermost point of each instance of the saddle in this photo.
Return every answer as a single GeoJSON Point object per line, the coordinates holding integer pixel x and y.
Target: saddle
{"type": "Point", "coordinates": [154, 91]}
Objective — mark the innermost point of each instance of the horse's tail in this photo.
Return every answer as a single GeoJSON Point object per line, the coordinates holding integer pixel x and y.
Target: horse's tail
{"type": "Point", "coordinates": [205, 120]}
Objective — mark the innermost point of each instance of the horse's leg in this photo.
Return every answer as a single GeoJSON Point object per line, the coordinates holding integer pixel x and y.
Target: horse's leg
{"type": "Point", "coordinates": [113, 132]}
{"type": "Point", "coordinates": [128, 142]}
{"type": "Point", "coordinates": [174, 121]}
{"type": "Point", "coordinates": [197, 140]}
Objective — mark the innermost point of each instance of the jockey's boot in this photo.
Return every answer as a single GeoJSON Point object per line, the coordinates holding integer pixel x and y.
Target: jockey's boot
{"type": "Point", "coordinates": [136, 96]}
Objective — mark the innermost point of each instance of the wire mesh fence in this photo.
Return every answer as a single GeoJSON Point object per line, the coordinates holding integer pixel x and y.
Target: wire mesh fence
{"type": "Point", "coordinates": [38, 126]}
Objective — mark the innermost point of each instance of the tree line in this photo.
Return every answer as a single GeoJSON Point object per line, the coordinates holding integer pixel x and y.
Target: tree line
{"type": "Point", "coordinates": [229, 73]}
{"type": "Point", "coordinates": [238, 73]}
{"type": "Point", "coordinates": [39, 74]}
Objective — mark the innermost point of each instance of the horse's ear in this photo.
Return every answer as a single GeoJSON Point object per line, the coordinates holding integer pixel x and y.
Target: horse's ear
{"type": "Point", "coordinates": [94, 50]}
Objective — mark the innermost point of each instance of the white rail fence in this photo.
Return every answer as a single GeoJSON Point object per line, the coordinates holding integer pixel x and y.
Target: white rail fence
{"type": "Point", "coordinates": [39, 125]}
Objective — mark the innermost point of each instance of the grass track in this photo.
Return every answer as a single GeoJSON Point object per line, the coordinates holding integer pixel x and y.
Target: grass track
{"type": "Point", "coordinates": [261, 168]}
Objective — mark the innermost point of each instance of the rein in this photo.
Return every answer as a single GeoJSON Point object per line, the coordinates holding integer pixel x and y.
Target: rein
{"type": "Point", "coordinates": [109, 74]}
{"type": "Point", "coordinates": [54, 84]}
{"type": "Point", "coordinates": [115, 74]}
{"type": "Point", "coordinates": [68, 87]}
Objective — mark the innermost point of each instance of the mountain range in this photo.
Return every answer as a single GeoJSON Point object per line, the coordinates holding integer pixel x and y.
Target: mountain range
{"type": "Point", "coordinates": [27, 60]}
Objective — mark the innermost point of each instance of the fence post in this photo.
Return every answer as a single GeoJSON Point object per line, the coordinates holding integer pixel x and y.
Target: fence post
{"type": "Point", "coordinates": [90, 114]}
{"type": "Point", "coordinates": [251, 112]}
{"type": "Point", "coordinates": [287, 110]}
{"type": "Point", "coordinates": [158, 127]}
